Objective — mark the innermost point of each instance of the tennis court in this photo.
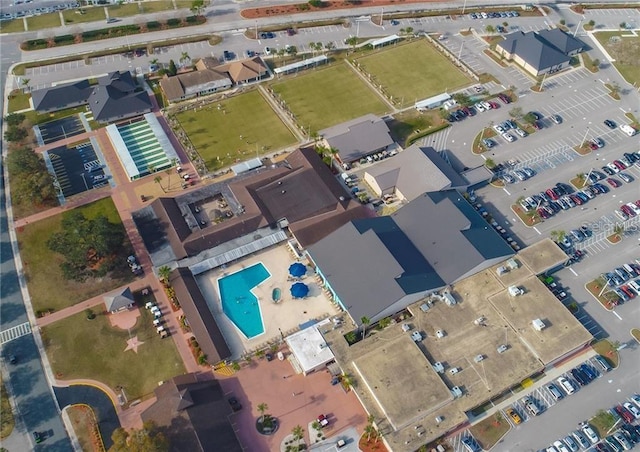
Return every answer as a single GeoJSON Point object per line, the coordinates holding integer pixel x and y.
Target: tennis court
{"type": "Point", "coordinates": [77, 168]}
{"type": "Point", "coordinates": [53, 131]}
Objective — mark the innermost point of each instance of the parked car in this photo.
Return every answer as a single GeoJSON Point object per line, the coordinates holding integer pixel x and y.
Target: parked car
{"type": "Point", "coordinates": [235, 404]}
{"type": "Point", "coordinates": [624, 414]}
{"type": "Point", "coordinates": [513, 414]}
{"type": "Point", "coordinates": [557, 119]}
{"type": "Point", "coordinates": [588, 431]}
{"type": "Point", "coordinates": [610, 124]}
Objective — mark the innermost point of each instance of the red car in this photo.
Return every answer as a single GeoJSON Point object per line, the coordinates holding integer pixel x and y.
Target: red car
{"type": "Point", "coordinates": [613, 182]}
{"type": "Point", "coordinates": [553, 195]}
{"type": "Point", "coordinates": [638, 203]}
{"type": "Point", "coordinates": [628, 210]}
{"type": "Point", "coordinates": [494, 105]}
{"type": "Point", "coordinates": [625, 414]}
{"type": "Point", "coordinates": [323, 421]}
{"type": "Point", "coordinates": [621, 166]}
{"type": "Point", "coordinates": [593, 145]}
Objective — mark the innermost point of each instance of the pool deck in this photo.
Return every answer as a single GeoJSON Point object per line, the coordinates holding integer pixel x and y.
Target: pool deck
{"type": "Point", "coordinates": [279, 318]}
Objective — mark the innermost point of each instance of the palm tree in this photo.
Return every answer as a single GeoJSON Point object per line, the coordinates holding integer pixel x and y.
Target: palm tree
{"type": "Point", "coordinates": [365, 322]}
{"type": "Point", "coordinates": [352, 41]}
{"type": "Point", "coordinates": [558, 235]}
{"type": "Point", "coordinates": [262, 408]}
{"type": "Point", "coordinates": [25, 82]}
{"type": "Point", "coordinates": [330, 46]}
{"type": "Point", "coordinates": [490, 163]}
{"type": "Point", "coordinates": [157, 180]}
{"type": "Point", "coordinates": [369, 430]}
{"type": "Point", "coordinates": [347, 380]}
{"type": "Point", "coordinates": [184, 57]}
{"type": "Point", "coordinates": [298, 434]}
{"type": "Point", "coordinates": [164, 272]}
{"type": "Point", "coordinates": [614, 88]}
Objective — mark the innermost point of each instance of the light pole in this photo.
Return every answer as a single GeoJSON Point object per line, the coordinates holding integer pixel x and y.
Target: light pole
{"type": "Point", "coordinates": [256, 29]}
{"type": "Point", "coordinates": [464, 6]}
{"type": "Point", "coordinates": [460, 52]}
{"type": "Point", "coordinates": [577, 27]}
{"type": "Point", "coordinates": [357, 28]}
{"type": "Point", "coordinates": [85, 182]}
{"type": "Point", "coordinates": [585, 137]}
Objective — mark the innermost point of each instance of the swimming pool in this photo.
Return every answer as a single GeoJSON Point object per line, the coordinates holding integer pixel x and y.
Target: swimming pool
{"type": "Point", "coordinates": [238, 303]}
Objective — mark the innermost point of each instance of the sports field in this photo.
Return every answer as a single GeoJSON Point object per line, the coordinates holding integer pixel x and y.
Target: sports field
{"type": "Point", "coordinates": [235, 129]}
{"type": "Point", "coordinates": [413, 71]}
{"type": "Point", "coordinates": [324, 97]}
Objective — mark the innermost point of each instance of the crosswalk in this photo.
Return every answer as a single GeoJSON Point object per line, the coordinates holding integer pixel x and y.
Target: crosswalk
{"type": "Point", "coordinates": [15, 332]}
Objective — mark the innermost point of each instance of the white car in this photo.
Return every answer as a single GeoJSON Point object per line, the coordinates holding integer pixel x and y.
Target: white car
{"type": "Point", "coordinates": [632, 409]}
{"type": "Point", "coordinates": [560, 446]}
{"type": "Point", "coordinates": [498, 128]}
{"type": "Point", "coordinates": [486, 105]}
{"type": "Point", "coordinates": [480, 107]}
{"type": "Point", "coordinates": [635, 399]}
{"type": "Point", "coordinates": [508, 137]}
{"type": "Point", "coordinates": [520, 132]}
{"type": "Point", "coordinates": [590, 433]}
{"type": "Point", "coordinates": [566, 385]}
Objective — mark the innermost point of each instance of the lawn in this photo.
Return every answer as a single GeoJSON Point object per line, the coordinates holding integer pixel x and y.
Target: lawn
{"type": "Point", "coordinates": [414, 71]}
{"type": "Point", "coordinates": [626, 52]}
{"type": "Point", "coordinates": [12, 26]}
{"type": "Point", "coordinates": [105, 360]}
{"type": "Point", "coordinates": [91, 14]}
{"type": "Point", "coordinates": [325, 97]}
{"type": "Point", "coordinates": [157, 7]}
{"type": "Point", "coordinates": [38, 118]}
{"type": "Point", "coordinates": [50, 20]}
{"type": "Point", "coordinates": [82, 420]}
{"type": "Point", "coordinates": [124, 10]}
{"type": "Point", "coordinates": [47, 287]}
{"type": "Point", "coordinates": [18, 100]}
{"type": "Point", "coordinates": [410, 125]}
{"type": "Point", "coordinates": [243, 126]}
{"type": "Point", "coordinates": [6, 414]}
{"type": "Point", "coordinates": [489, 431]}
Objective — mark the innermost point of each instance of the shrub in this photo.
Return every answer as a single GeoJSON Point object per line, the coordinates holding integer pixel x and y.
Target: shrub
{"type": "Point", "coordinates": [173, 22]}
{"type": "Point", "coordinates": [316, 3]}
{"type": "Point", "coordinates": [153, 25]}
{"type": "Point", "coordinates": [191, 19]}
{"type": "Point", "coordinates": [63, 39]}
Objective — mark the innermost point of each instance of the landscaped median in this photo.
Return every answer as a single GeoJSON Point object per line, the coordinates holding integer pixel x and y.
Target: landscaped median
{"type": "Point", "coordinates": [489, 431]}
{"type": "Point", "coordinates": [529, 218]}
{"type": "Point", "coordinates": [599, 290]}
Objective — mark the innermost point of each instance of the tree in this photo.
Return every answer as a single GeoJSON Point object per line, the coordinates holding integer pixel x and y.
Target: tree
{"type": "Point", "coordinates": [15, 133]}
{"type": "Point", "coordinates": [25, 83]}
{"type": "Point", "coordinates": [262, 408]}
{"type": "Point", "coordinates": [298, 435]}
{"type": "Point", "coordinates": [563, 22]}
{"type": "Point", "coordinates": [365, 322]}
{"type": "Point", "coordinates": [409, 30]}
{"type": "Point", "coordinates": [30, 182]}
{"type": "Point", "coordinates": [591, 23]}
{"type": "Point", "coordinates": [558, 235]}
{"type": "Point", "coordinates": [88, 246]}
{"type": "Point", "coordinates": [350, 337]}
{"type": "Point", "coordinates": [516, 113]}
{"type": "Point", "coordinates": [197, 6]}
{"type": "Point", "coordinates": [623, 25]}
{"type": "Point", "coordinates": [330, 45]}
{"type": "Point", "coordinates": [462, 99]}
{"type": "Point", "coordinates": [158, 180]}
{"type": "Point", "coordinates": [614, 88]}
{"type": "Point", "coordinates": [490, 29]}
{"type": "Point", "coordinates": [351, 41]}
{"type": "Point", "coordinates": [148, 438]}
{"type": "Point", "coordinates": [184, 57]}
{"type": "Point", "coordinates": [173, 69]}
{"type": "Point", "coordinates": [529, 118]}
{"type": "Point", "coordinates": [315, 3]}
{"type": "Point", "coordinates": [385, 322]}
{"type": "Point", "coordinates": [14, 119]}
{"type": "Point", "coordinates": [369, 430]}
{"type": "Point", "coordinates": [596, 63]}
{"type": "Point", "coordinates": [490, 163]}
{"type": "Point", "coordinates": [164, 272]}
{"type": "Point", "coordinates": [347, 380]}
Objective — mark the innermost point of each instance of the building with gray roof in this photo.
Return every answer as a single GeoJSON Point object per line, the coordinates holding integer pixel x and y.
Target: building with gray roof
{"type": "Point", "coordinates": [119, 300]}
{"type": "Point", "coordinates": [413, 172]}
{"type": "Point", "coordinates": [59, 97]}
{"type": "Point", "coordinates": [358, 138]}
{"type": "Point", "coordinates": [116, 96]}
{"type": "Point", "coordinates": [376, 267]}
{"type": "Point", "coordinates": [540, 53]}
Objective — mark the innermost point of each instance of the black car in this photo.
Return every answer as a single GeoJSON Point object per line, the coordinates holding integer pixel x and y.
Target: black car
{"type": "Point", "coordinates": [610, 124]}
{"type": "Point", "coordinates": [588, 371]}
{"type": "Point", "coordinates": [291, 31]}
{"type": "Point", "coordinates": [580, 377]}
{"type": "Point", "coordinates": [37, 437]}
{"type": "Point", "coordinates": [13, 359]}
{"type": "Point", "coordinates": [235, 404]}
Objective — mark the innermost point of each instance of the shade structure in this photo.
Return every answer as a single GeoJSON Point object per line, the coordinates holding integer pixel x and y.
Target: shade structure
{"type": "Point", "coordinates": [299, 290]}
{"type": "Point", "coordinates": [297, 269]}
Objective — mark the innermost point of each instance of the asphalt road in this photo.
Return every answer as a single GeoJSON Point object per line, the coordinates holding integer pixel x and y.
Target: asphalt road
{"type": "Point", "coordinates": [102, 407]}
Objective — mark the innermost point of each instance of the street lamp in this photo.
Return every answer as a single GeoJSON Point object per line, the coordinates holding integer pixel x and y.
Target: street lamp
{"type": "Point", "coordinates": [585, 137]}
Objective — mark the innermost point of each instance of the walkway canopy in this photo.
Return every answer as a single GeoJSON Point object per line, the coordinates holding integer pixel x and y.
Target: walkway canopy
{"type": "Point", "coordinates": [384, 41]}
{"type": "Point", "coordinates": [301, 65]}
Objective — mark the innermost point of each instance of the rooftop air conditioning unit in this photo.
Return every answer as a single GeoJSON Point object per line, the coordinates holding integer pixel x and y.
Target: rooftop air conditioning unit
{"type": "Point", "coordinates": [501, 270]}
{"type": "Point", "coordinates": [456, 392]}
{"type": "Point", "coordinates": [513, 264]}
{"type": "Point", "coordinates": [448, 298]}
{"type": "Point", "coordinates": [514, 291]}
{"type": "Point", "coordinates": [538, 324]}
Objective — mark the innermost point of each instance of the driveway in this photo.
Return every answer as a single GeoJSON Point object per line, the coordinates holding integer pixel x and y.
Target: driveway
{"type": "Point", "coordinates": [100, 403]}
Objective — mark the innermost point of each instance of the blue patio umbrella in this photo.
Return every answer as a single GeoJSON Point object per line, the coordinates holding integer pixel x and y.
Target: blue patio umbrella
{"type": "Point", "coordinates": [299, 290]}
{"type": "Point", "coordinates": [297, 269]}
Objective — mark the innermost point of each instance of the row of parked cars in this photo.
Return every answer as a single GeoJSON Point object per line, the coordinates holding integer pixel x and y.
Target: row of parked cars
{"type": "Point", "coordinates": [628, 435]}
{"type": "Point", "coordinates": [560, 197]}
{"type": "Point", "coordinates": [38, 11]}
{"type": "Point", "coordinates": [624, 281]}
{"type": "Point", "coordinates": [494, 15]}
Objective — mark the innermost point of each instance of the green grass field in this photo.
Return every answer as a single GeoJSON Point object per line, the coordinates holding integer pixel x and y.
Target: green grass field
{"type": "Point", "coordinates": [157, 7]}
{"type": "Point", "coordinates": [18, 101]}
{"type": "Point", "coordinates": [47, 286]}
{"type": "Point", "coordinates": [91, 14]}
{"type": "Point", "coordinates": [12, 26]}
{"type": "Point", "coordinates": [105, 360]}
{"type": "Point", "coordinates": [216, 133]}
{"type": "Point", "coordinates": [50, 20]}
{"type": "Point", "coordinates": [328, 96]}
{"type": "Point", "coordinates": [413, 71]}
{"type": "Point", "coordinates": [626, 52]}
{"type": "Point", "coordinates": [124, 10]}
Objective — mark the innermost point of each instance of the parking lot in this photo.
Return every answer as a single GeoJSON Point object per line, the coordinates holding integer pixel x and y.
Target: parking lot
{"type": "Point", "coordinates": [59, 129]}
{"type": "Point", "coordinates": [77, 169]}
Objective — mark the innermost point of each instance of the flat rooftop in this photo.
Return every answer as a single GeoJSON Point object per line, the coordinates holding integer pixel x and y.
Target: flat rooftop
{"type": "Point", "coordinates": [542, 256]}
{"type": "Point", "coordinates": [402, 381]}
{"type": "Point", "coordinates": [393, 381]}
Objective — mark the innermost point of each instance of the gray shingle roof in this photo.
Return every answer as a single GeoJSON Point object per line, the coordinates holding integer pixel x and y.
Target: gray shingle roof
{"type": "Point", "coordinates": [562, 41]}
{"type": "Point", "coordinates": [61, 96]}
{"type": "Point", "coordinates": [359, 137]}
{"type": "Point", "coordinates": [415, 171]}
{"type": "Point", "coordinates": [533, 49]}
{"type": "Point", "coordinates": [118, 300]}
{"type": "Point", "coordinates": [435, 240]}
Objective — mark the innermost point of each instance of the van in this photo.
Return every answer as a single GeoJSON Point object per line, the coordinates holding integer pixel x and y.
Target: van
{"type": "Point", "coordinates": [602, 363]}
{"type": "Point", "coordinates": [628, 130]}
{"type": "Point", "coordinates": [531, 407]}
{"type": "Point", "coordinates": [554, 391]}
{"type": "Point", "coordinates": [566, 385]}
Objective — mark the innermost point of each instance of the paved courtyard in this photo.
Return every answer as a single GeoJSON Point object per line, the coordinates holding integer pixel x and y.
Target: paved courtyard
{"type": "Point", "coordinates": [275, 383]}
{"type": "Point", "coordinates": [278, 319]}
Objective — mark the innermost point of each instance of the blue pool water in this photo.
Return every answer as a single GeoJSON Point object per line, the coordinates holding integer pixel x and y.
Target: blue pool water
{"type": "Point", "coordinates": [238, 303]}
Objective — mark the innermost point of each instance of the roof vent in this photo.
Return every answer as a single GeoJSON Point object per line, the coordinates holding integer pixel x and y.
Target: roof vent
{"type": "Point", "coordinates": [283, 191]}
{"type": "Point", "coordinates": [341, 198]}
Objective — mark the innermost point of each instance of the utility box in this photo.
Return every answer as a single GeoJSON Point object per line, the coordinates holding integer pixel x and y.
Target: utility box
{"type": "Point", "coordinates": [514, 291]}
{"type": "Point", "coordinates": [448, 298]}
{"type": "Point", "coordinates": [538, 324]}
